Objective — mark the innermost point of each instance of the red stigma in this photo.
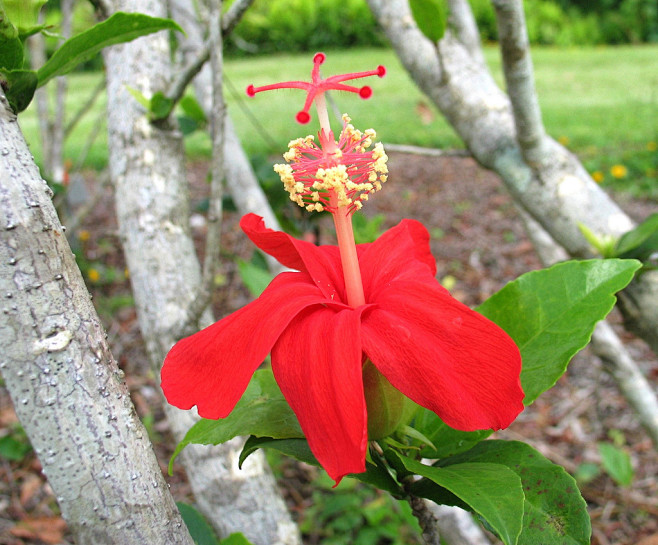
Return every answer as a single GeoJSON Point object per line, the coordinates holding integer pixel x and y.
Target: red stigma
{"type": "Point", "coordinates": [365, 92]}
{"type": "Point", "coordinates": [303, 118]}
{"type": "Point", "coordinates": [318, 85]}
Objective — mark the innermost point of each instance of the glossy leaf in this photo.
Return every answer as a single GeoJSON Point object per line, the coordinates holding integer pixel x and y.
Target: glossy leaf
{"type": "Point", "coordinates": [430, 16]}
{"type": "Point", "coordinates": [554, 511]}
{"type": "Point", "coordinates": [262, 411]}
{"type": "Point", "coordinates": [446, 441]}
{"type": "Point", "coordinates": [200, 530]}
{"type": "Point", "coordinates": [376, 474]}
{"type": "Point", "coordinates": [551, 314]}
{"type": "Point", "coordinates": [641, 242]}
{"type": "Point", "coordinates": [236, 538]}
{"type": "Point", "coordinates": [19, 87]}
{"type": "Point", "coordinates": [493, 491]}
{"type": "Point", "coordinates": [11, 47]}
{"type": "Point", "coordinates": [119, 28]}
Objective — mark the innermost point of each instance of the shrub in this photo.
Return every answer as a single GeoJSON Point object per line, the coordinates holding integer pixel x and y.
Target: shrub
{"type": "Point", "coordinates": [300, 25]}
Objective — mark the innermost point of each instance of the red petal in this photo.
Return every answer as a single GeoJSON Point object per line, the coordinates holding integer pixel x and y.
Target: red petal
{"type": "Point", "coordinates": [444, 356]}
{"type": "Point", "coordinates": [317, 364]}
{"type": "Point", "coordinates": [211, 369]}
{"type": "Point", "coordinates": [321, 262]}
{"type": "Point", "coordinates": [401, 252]}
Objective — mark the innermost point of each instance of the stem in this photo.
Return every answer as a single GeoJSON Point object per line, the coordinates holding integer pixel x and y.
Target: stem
{"type": "Point", "coordinates": [323, 115]}
{"type": "Point", "coordinates": [344, 232]}
{"type": "Point", "coordinates": [348, 257]}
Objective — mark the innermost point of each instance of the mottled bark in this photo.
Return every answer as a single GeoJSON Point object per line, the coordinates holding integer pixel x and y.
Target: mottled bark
{"type": "Point", "coordinates": [147, 167]}
{"type": "Point", "coordinates": [67, 390]}
{"type": "Point", "coordinates": [544, 178]}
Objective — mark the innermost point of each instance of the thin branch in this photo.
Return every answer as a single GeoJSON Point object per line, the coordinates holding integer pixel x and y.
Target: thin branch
{"type": "Point", "coordinates": [233, 15]}
{"type": "Point", "coordinates": [426, 520]}
{"type": "Point", "coordinates": [217, 117]}
{"type": "Point", "coordinates": [630, 380]}
{"type": "Point", "coordinates": [229, 20]}
{"type": "Point", "coordinates": [85, 107]}
{"type": "Point", "coordinates": [519, 76]}
{"type": "Point", "coordinates": [463, 25]}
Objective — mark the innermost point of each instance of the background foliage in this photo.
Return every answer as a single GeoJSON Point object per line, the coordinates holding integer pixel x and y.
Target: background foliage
{"type": "Point", "coordinates": [274, 25]}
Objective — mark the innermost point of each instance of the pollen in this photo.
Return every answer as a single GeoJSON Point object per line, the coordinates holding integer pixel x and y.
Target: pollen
{"type": "Point", "coordinates": [333, 174]}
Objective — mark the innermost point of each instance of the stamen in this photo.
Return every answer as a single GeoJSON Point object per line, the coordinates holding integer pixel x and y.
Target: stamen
{"type": "Point", "coordinates": [334, 174]}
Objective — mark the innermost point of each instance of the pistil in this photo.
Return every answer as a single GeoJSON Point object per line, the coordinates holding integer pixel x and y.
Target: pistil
{"type": "Point", "coordinates": [343, 223]}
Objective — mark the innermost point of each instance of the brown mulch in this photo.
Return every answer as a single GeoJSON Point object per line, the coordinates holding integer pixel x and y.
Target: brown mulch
{"type": "Point", "coordinates": [479, 244]}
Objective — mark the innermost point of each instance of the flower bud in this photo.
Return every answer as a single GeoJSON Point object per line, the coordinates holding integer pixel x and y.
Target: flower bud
{"type": "Point", "coordinates": [388, 408]}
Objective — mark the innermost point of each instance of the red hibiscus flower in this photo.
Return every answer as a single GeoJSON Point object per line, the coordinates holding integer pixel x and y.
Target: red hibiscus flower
{"type": "Point", "coordinates": [432, 348]}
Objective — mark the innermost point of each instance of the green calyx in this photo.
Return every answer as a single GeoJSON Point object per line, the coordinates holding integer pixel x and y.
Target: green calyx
{"type": "Point", "coordinates": [388, 408]}
{"type": "Point", "coordinates": [23, 14]}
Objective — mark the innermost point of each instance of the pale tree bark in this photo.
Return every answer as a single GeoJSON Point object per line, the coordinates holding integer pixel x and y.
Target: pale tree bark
{"type": "Point", "coordinates": [504, 133]}
{"type": "Point", "coordinates": [66, 387]}
{"type": "Point", "coordinates": [146, 165]}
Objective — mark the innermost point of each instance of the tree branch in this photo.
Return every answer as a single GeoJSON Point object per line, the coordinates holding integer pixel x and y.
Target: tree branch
{"type": "Point", "coordinates": [519, 76]}
{"type": "Point", "coordinates": [217, 128]}
{"type": "Point", "coordinates": [557, 191]}
{"type": "Point", "coordinates": [463, 24]}
{"type": "Point", "coordinates": [185, 76]}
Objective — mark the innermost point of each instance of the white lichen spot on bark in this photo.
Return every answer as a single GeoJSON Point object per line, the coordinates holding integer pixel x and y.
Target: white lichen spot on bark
{"type": "Point", "coordinates": [143, 127]}
{"type": "Point", "coordinates": [619, 223]}
{"type": "Point", "coordinates": [159, 182]}
{"type": "Point", "coordinates": [570, 186]}
{"type": "Point", "coordinates": [148, 157]}
{"type": "Point", "coordinates": [54, 343]}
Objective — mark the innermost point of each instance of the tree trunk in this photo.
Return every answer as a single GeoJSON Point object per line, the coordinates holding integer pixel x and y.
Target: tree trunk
{"type": "Point", "coordinates": [67, 390]}
{"type": "Point", "coordinates": [544, 178]}
{"type": "Point", "coordinates": [146, 165]}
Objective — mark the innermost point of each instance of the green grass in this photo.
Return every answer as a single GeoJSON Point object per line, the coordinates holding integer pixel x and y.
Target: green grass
{"type": "Point", "coordinates": [602, 101]}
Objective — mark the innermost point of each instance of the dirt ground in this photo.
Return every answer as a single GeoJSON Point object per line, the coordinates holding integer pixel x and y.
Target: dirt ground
{"type": "Point", "coordinates": [479, 244]}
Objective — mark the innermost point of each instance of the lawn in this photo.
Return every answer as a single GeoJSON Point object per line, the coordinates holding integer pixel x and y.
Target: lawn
{"type": "Point", "coordinates": [602, 102]}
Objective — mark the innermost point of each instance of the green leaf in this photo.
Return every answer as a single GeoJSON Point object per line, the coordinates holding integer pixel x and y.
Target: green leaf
{"type": "Point", "coordinates": [446, 441]}
{"type": "Point", "coordinates": [603, 244]}
{"type": "Point", "coordinates": [160, 106]}
{"type": "Point", "coordinates": [120, 28]}
{"type": "Point", "coordinates": [236, 538]}
{"type": "Point", "coordinates": [139, 97]}
{"type": "Point", "coordinates": [192, 109]}
{"type": "Point", "coordinates": [11, 47]}
{"type": "Point", "coordinates": [554, 511]}
{"type": "Point", "coordinates": [430, 16]}
{"type": "Point", "coordinates": [551, 314]}
{"type": "Point", "coordinates": [296, 448]}
{"type": "Point", "coordinates": [493, 491]}
{"type": "Point", "coordinates": [375, 474]}
{"type": "Point", "coordinates": [262, 411]}
{"type": "Point", "coordinates": [14, 448]}
{"type": "Point", "coordinates": [19, 87]}
{"type": "Point", "coordinates": [201, 532]}
{"type": "Point", "coordinates": [617, 463]}
{"type": "Point", "coordinates": [254, 277]}
{"type": "Point", "coordinates": [24, 14]}
{"type": "Point", "coordinates": [641, 242]}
